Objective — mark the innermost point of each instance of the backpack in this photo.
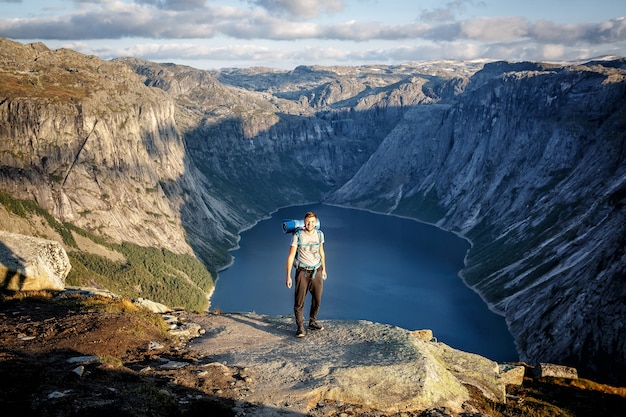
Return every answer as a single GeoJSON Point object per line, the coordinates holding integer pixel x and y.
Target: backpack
{"type": "Point", "coordinates": [296, 262]}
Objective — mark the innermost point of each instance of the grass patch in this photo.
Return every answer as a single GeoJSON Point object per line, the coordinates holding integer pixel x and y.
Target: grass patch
{"type": "Point", "coordinates": [41, 295]}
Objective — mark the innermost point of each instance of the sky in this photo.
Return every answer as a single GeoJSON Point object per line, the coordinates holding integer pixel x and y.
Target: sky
{"type": "Point", "coordinates": [282, 34]}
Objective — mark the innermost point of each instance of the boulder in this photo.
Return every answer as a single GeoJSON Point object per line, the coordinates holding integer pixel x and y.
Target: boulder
{"type": "Point", "coordinates": [512, 374]}
{"type": "Point", "coordinates": [469, 369]}
{"type": "Point", "coordinates": [556, 371]}
{"type": "Point", "coordinates": [28, 263]}
{"type": "Point", "coordinates": [152, 306]}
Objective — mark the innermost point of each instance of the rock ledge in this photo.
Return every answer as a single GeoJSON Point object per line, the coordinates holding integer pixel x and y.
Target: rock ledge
{"type": "Point", "coordinates": [384, 367]}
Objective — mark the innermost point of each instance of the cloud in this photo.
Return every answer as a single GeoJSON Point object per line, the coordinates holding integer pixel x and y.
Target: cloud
{"type": "Point", "coordinates": [194, 54]}
{"type": "Point", "coordinates": [191, 19]}
{"type": "Point", "coordinates": [489, 29]}
{"type": "Point", "coordinates": [273, 30]}
{"type": "Point", "coordinates": [302, 9]}
{"type": "Point", "coordinates": [288, 55]}
{"type": "Point", "coordinates": [610, 31]}
{"type": "Point", "coordinates": [174, 4]}
{"type": "Point", "coordinates": [448, 11]}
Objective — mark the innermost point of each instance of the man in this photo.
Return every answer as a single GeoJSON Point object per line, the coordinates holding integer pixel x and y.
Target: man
{"type": "Point", "coordinates": [307, 255]}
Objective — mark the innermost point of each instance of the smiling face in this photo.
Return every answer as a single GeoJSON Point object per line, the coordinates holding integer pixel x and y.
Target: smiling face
{"type": "Point", "coordinates": [310, 221]}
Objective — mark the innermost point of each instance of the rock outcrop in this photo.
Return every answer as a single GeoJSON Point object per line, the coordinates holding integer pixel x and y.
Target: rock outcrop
{"type": "Point", "coordinates": [28, 263]}
{"type": "Point", "coordinates": [380, 366]}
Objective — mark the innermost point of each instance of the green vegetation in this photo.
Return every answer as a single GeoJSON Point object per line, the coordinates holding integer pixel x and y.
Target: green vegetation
{"type": "Point", "coordinates": [176, 280]}
{"type": "Point", "coordinates": [24, 208]}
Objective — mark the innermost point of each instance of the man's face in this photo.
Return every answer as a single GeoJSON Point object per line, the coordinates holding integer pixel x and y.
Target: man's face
{"type": "Point", "coordinates": [310, 223]}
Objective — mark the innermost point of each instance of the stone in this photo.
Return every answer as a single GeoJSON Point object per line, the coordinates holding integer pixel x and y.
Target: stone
{"type": "Point", "coordinates": [29, 263]}
{"type": "Point", "coordinates": [154, 346]}
{"type": "Point", "coordinates": [58, 394]}
{"type": "Point", "coordinates": [471, 369]}
{"type": "Point", "coordinates": [512, 374]}
{"type": "Point", "coordinates": [88, 292]}
{"type": "Point", "coordinates": [188, 330]}
{"type": "Point", "coordinates": [79, 371]}
{"type": "Point", "coordinates": [84, 360]}
{"type": "Point", "coordinates": [543, 370]}
{"type": "Point", "coordinates": [152, 306]}
{"type": "Point", "coordinates": [424, 335]}
{"type": "Point", "coordinates": [174, 365]}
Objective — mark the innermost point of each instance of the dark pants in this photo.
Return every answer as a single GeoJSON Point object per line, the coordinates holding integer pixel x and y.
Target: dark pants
{"type": "Point", "coordinates": [306, 282]}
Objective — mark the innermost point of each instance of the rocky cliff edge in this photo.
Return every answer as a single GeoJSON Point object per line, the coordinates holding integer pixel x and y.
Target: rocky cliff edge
{"type": "Point", "coordinates": [381, 366]}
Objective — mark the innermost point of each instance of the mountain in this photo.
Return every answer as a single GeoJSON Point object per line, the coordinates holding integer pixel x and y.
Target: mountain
{"type": "Point", "coordinates": [524, 159]}
{"type": "Point", "coordinates": [528, 163]}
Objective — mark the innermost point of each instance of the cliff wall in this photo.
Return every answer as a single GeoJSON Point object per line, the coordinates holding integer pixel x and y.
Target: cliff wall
{"type": "Point", "coordinates": [528, 163]}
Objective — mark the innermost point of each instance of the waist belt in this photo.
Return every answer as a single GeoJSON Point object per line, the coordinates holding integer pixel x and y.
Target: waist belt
{"type": "Point", "coordinates": [307, 267]}
{"type": "Point", "coordinates": [313, 268]}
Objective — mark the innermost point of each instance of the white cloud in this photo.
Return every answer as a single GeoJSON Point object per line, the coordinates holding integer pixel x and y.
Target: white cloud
{"type": "Point", "coordinates": [610, 31]}
{"type": "Point", "coordinates": [494, 29]}
{"type": "Point", "coordinates": [302, 9]}
{"type": "Point", "coordinates": [552, 52]}
{"type": "Point", "coordinates": [447, 12]}
{"type": "Point", "coordinates": [115, 19]}
{"type": "Point", "coordinates": [272, 30]}
{"type": "Point", "coordinates": [174, 4]}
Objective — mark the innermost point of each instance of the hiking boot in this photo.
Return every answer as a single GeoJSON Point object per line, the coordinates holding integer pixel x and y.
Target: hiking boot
{"type": "Point", "coordinates": [313, 325]}
{"type": "Point", "coordinates": [300, 332]}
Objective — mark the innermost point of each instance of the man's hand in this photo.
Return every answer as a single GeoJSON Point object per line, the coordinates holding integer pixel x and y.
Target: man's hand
{"type": "Point", "coordinates": [288, 282]}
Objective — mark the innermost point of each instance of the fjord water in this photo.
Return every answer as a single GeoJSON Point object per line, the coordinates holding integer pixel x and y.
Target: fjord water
{"type": "Point", "coordinates": [381, 268]}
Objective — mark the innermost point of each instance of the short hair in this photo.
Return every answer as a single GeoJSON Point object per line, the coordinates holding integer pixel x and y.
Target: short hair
{"type": "Point", "coordinates": [310, 214]}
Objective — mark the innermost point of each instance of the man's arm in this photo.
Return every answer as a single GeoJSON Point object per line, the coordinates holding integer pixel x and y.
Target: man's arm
{"type": "Point", "coordinates": [289, 265]}
{"type": "Point", "coordinates": [323, 256]}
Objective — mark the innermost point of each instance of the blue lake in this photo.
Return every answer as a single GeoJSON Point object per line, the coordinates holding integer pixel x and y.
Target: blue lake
{"type": "Point", "coordinates": [381, 268]}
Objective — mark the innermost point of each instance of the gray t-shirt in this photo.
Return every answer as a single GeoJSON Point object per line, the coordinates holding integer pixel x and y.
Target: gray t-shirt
{"type": "Point", "coordinates": [309, 250]}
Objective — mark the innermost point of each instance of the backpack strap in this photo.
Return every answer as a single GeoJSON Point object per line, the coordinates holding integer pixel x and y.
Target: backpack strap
{"type": "Point", "coordinates": [297, 263]}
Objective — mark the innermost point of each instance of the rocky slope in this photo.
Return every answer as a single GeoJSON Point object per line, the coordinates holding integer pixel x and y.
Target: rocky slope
{"type": "Point", "coordinates": [524, 159]}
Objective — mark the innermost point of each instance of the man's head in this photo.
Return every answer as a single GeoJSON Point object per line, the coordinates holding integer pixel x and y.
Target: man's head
{"type": "Point", "coordinates": [310, 221]}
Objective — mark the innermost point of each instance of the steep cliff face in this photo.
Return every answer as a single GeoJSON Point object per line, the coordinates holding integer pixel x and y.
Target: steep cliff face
{"type": "Point", "coordinates": [528, 163]}
{"type": "Point", "coordinates": [525, 160]}
{"type": "Point", "coordinates": [93, 145]}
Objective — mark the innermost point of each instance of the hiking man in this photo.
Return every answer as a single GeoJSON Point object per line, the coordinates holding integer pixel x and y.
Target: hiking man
{"type": "Point", "coordinates": [307, 255]}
